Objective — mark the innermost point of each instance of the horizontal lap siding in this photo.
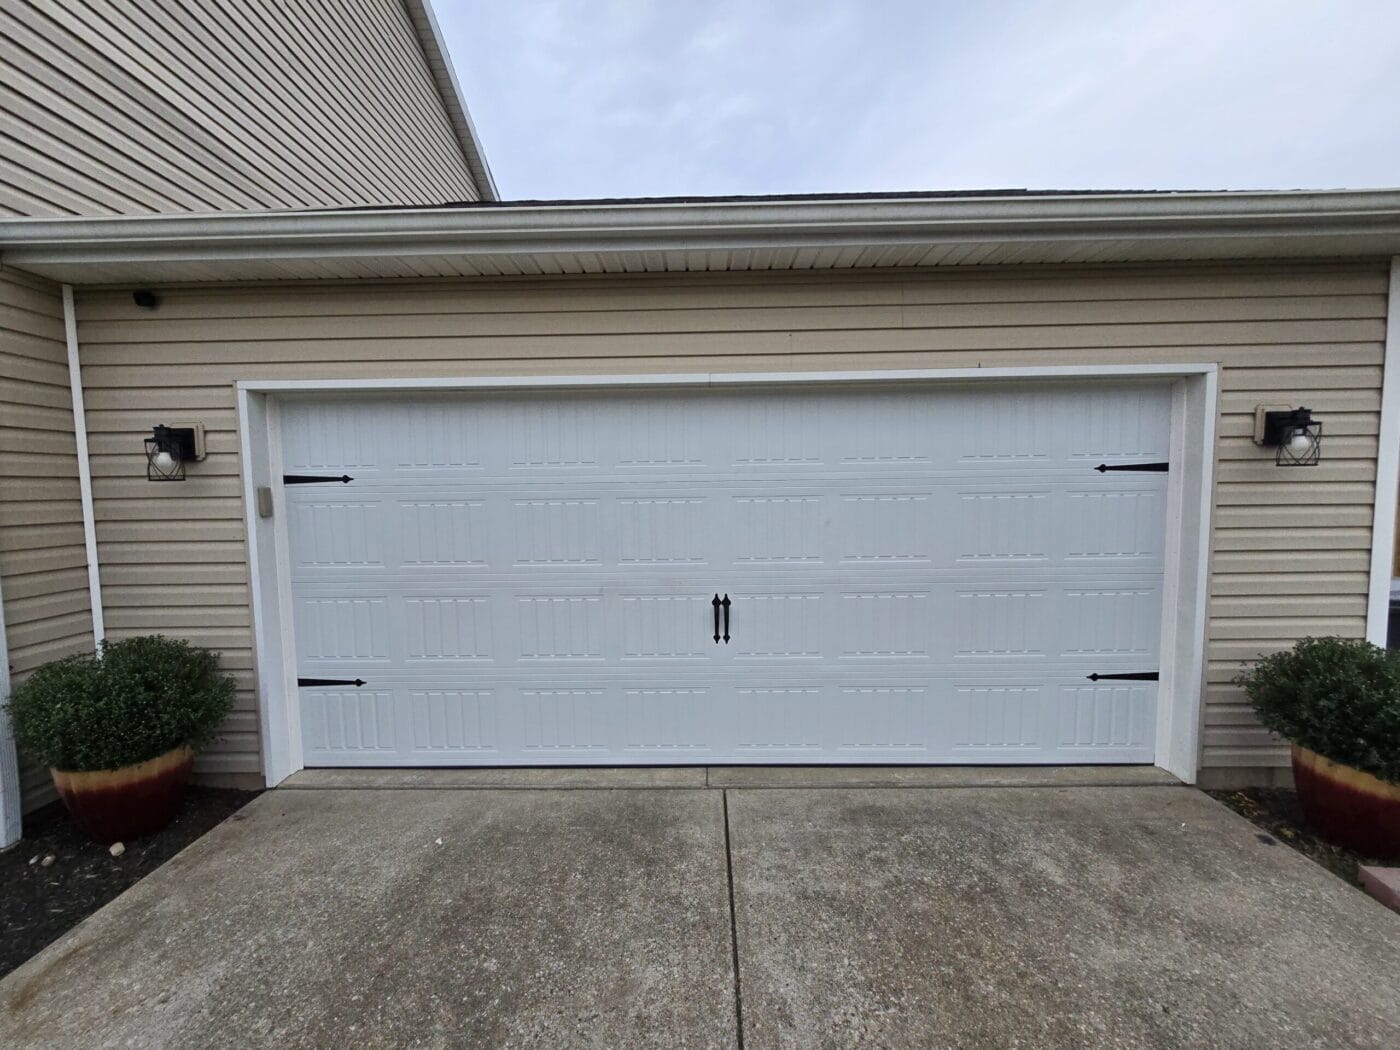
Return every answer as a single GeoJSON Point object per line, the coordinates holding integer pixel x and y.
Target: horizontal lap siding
{"type": "Point", "coordinates": [43, 563]}
{"type": "Point", "coordinates": [1291, 547]}
{"type": "Point", "coordinates": [198, 105]}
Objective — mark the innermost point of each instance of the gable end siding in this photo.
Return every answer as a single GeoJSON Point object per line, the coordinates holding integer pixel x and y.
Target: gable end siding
{"type": "Point", "coordinates": [197, 105]}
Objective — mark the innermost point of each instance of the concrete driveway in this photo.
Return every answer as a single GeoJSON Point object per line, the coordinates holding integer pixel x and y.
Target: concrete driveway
{"type": "Point", "coordinates": [690, 908]}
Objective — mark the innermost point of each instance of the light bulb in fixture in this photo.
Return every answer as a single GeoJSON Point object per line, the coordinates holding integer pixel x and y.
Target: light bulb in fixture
{"type": "Point", "coordinates": [1300, 443]}
{"type": "Point", "coordinates": [163, 462]}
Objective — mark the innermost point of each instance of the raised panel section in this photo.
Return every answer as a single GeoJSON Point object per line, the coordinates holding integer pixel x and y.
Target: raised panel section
{"type": "Point", "coordinates": [343, 628]}
{"type": "Point", "coordinates": [779, 431]}
{"type": "Point", "coordinates": [1119, 622]}
{"type": "Point", "coordinates": [666, 626]}
{"type": "Point", "coordinates": [1115, 525]}
{"type": "Point", "coordinates": [887, 528]}
{"type": "Point", "coordinates": [661, 530]}
{"type": "Point", "coordinates": [1009, 427]}
{"type": "Point", "coordinates": [664, 435]}
{"type": "Point", "coordinates": [553, 434]}
{"type": "Point", "coordinates": [1002, 526]}
{"type": "Point", "coordinates": [779, 719]}
{"type": "Point", "coordinates": [886, 625]}
{"type": "Point", "coordinates": [453, 720]}
{"type": "Point", "coordinates": [778, 529]}
{"type": "Point", "coordinates": [442, 435]}
{"type": "Point", "coordinates": [443, 532]}
{"type": "Point", "coordinates": [332, 437]}
{"type": "Point", "coordinates": [346, 533]}
{"type": "Point", "coordinates": [996, 717]}
{"type": "Point", "coordinates": [560, 627]}
{"type": "Point", "coordinates": [883, 718]}
{"type": "Point", "coordinates": [355, 721]}
{"type": "Point", "coordinates": [564, 720]}
{"type": "Point", "coordinates": [665, 719]}
{"type": "Point", "coordinates": [557, 531]}
{"type": "Point", "coordinates": [784, 626]}
{"type": "Point", "coordinates": [448, 628]}
{"type": "Point", "coordinates": [1000, 624]}
{"type": "Point", "coordinates": [1105, 716]}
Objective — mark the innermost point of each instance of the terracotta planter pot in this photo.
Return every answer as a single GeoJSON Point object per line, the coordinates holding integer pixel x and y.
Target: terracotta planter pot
{"type": "Point", "coordinates": [116, 805]}
{"type": "Point", "coordinates": [1348, 807]}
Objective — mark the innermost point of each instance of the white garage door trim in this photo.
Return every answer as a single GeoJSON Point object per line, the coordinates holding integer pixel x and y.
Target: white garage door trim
{"type": "Point", "coordinates": [1186, 557]}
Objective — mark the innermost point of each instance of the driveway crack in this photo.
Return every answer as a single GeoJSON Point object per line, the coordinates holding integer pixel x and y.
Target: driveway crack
{"type": "Point", "coordinates": [733, 925]}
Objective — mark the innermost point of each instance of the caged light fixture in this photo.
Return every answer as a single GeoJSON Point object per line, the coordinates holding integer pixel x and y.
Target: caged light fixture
{"type": "Point", "coordinates": [168, 449]}
{"type": "Point", "coordinates": [1292, 432]}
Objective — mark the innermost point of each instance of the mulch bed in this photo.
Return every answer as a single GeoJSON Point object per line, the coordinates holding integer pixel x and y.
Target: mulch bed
{"type": "Point", "coordinates": [1278, 813]}
{"type": "Point", "coordinates": [39, 903]}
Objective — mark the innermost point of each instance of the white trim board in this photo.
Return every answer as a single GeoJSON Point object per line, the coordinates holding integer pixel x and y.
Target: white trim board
{"type": "Point", "coordinates": [11, 806]}
{"type": "Point", "coordinates": [1182, 642]}
{"type": "Point", "coordinates": [1387, 471]}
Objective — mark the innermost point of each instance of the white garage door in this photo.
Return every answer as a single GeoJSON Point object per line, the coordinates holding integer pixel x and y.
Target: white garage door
{"type": "Point", "coordinates": [921, 575]}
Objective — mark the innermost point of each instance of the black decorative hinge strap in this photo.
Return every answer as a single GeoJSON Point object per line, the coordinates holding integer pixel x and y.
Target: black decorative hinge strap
{"type": "Point", "coordinates": [356, 682]}
{"type": "Point", "coordinates": [1132, 676]}
{"type": "Point", "coordinates": [1155, 468]}
{"type": "Point", "coordinates": [312, 479]}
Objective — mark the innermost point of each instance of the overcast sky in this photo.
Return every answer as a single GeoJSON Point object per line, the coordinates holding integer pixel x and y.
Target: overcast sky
{"type": "Point", "coordinates": [600, 98]}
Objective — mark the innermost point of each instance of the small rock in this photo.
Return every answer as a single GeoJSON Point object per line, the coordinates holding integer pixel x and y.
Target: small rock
{"type": "Point", "coordinates": [34, 859]}
{"type": "Point", "coordinates": [48, 860]}
{"type": "Point", "coordinates": [437, 842]}
{"type": "Point", "coordinates": [116, 849]}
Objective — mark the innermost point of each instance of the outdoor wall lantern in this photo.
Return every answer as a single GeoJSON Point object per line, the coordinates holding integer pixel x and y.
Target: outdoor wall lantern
{"type": "Point", "coordinates": [168, 449]}
{"type": "Point", "coordinates": [1292, 431]}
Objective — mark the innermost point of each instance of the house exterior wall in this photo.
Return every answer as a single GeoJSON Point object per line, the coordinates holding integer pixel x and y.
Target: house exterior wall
{"type": "Point", "coordinates": [1291, 548]}
{"type": "Point", "coordinates": [43, 563]}
{"type": "Point", "coordinates": [127, 108]}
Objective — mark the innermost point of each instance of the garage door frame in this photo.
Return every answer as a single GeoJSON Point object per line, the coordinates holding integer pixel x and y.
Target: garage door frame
{"type": "Point", "coordinates": [1189, 506]}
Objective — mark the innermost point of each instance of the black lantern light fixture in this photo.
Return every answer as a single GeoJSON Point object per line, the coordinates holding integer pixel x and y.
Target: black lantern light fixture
{"type": "Point", "coordinates": [168, 449]}
{"type": "Point", "coordinates": [1293, 432]}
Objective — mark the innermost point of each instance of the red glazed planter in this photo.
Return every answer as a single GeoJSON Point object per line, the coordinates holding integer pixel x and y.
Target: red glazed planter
{"type": "Point", "coordinates": [117, 805]}
{"type": "Point", "coordinates": [1348, 807]}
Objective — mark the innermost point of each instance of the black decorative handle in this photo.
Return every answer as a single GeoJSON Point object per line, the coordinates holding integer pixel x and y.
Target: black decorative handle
{"type": "Point", "coordinates": [725, 603]}
{"type": "Point", "coordinates": [716, 603]}
{"type": "Point", "coordinates": [356, 682]}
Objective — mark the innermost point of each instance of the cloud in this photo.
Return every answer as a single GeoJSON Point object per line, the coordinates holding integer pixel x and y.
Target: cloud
{"type": "Point", "coordinates": [629, 98]}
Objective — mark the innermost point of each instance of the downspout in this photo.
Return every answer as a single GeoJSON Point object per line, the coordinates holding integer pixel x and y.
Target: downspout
{"type": "Point", "coordinates": [1387, 470]}
{"type": "Point", "coordinates": [75, 382]}
{"type": "Point", "coordinates": [9, 761]}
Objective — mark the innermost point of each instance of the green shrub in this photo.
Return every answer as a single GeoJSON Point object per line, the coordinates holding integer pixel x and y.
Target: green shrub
{"type": "Point", "coordinates": [139, 698]}
{"type": "Point", "coordinates": [1338, 697]}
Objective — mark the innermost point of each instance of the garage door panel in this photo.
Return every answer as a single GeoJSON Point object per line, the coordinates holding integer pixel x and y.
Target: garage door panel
{"type": "Point", "coordinates": [914, 575]}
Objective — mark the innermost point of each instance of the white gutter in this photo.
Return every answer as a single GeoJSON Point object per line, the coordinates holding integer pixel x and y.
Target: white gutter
{"type": "Point", "coordinates": [10, 812]}
{"type": "Point", "coordinates": [657, 236]}
{"type": "Point", "coordinates": [1387, 472]}
{"type": "Point", "coordinates": [75, 384]}
{"type": "Point", "coordinates": [576, 226]}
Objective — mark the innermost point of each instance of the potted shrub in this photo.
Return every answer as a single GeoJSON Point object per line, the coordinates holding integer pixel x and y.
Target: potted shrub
{"type": "Point", "coordinates": [118, 729]}
{"type": "Point", "coordinates": [1337, 701]}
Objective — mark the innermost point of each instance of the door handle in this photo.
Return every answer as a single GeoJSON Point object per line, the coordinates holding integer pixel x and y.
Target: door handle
{"type": "Point", "coordinates": [716, 603]}
{"type": "Point", "coordinates": [725, 604]}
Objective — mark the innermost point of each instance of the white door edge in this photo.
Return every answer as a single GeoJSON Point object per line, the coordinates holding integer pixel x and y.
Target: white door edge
{"type": "Point", "coordinates": [1187, 564]}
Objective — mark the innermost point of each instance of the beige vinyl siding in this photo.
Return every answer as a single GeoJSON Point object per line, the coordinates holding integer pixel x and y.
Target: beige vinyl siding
{"type": "Point", "coordinates": [43, 563]}
{"type": "Point", "coordinates": [198, 105]}
{"type": "Point", "coordinates": [1291, 546]}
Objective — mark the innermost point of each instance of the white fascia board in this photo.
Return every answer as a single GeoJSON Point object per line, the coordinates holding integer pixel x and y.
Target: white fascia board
{"type": "Point", "coordinates": [1229, 222]}
{"type": "Point", "coordinates": [420, 13]}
